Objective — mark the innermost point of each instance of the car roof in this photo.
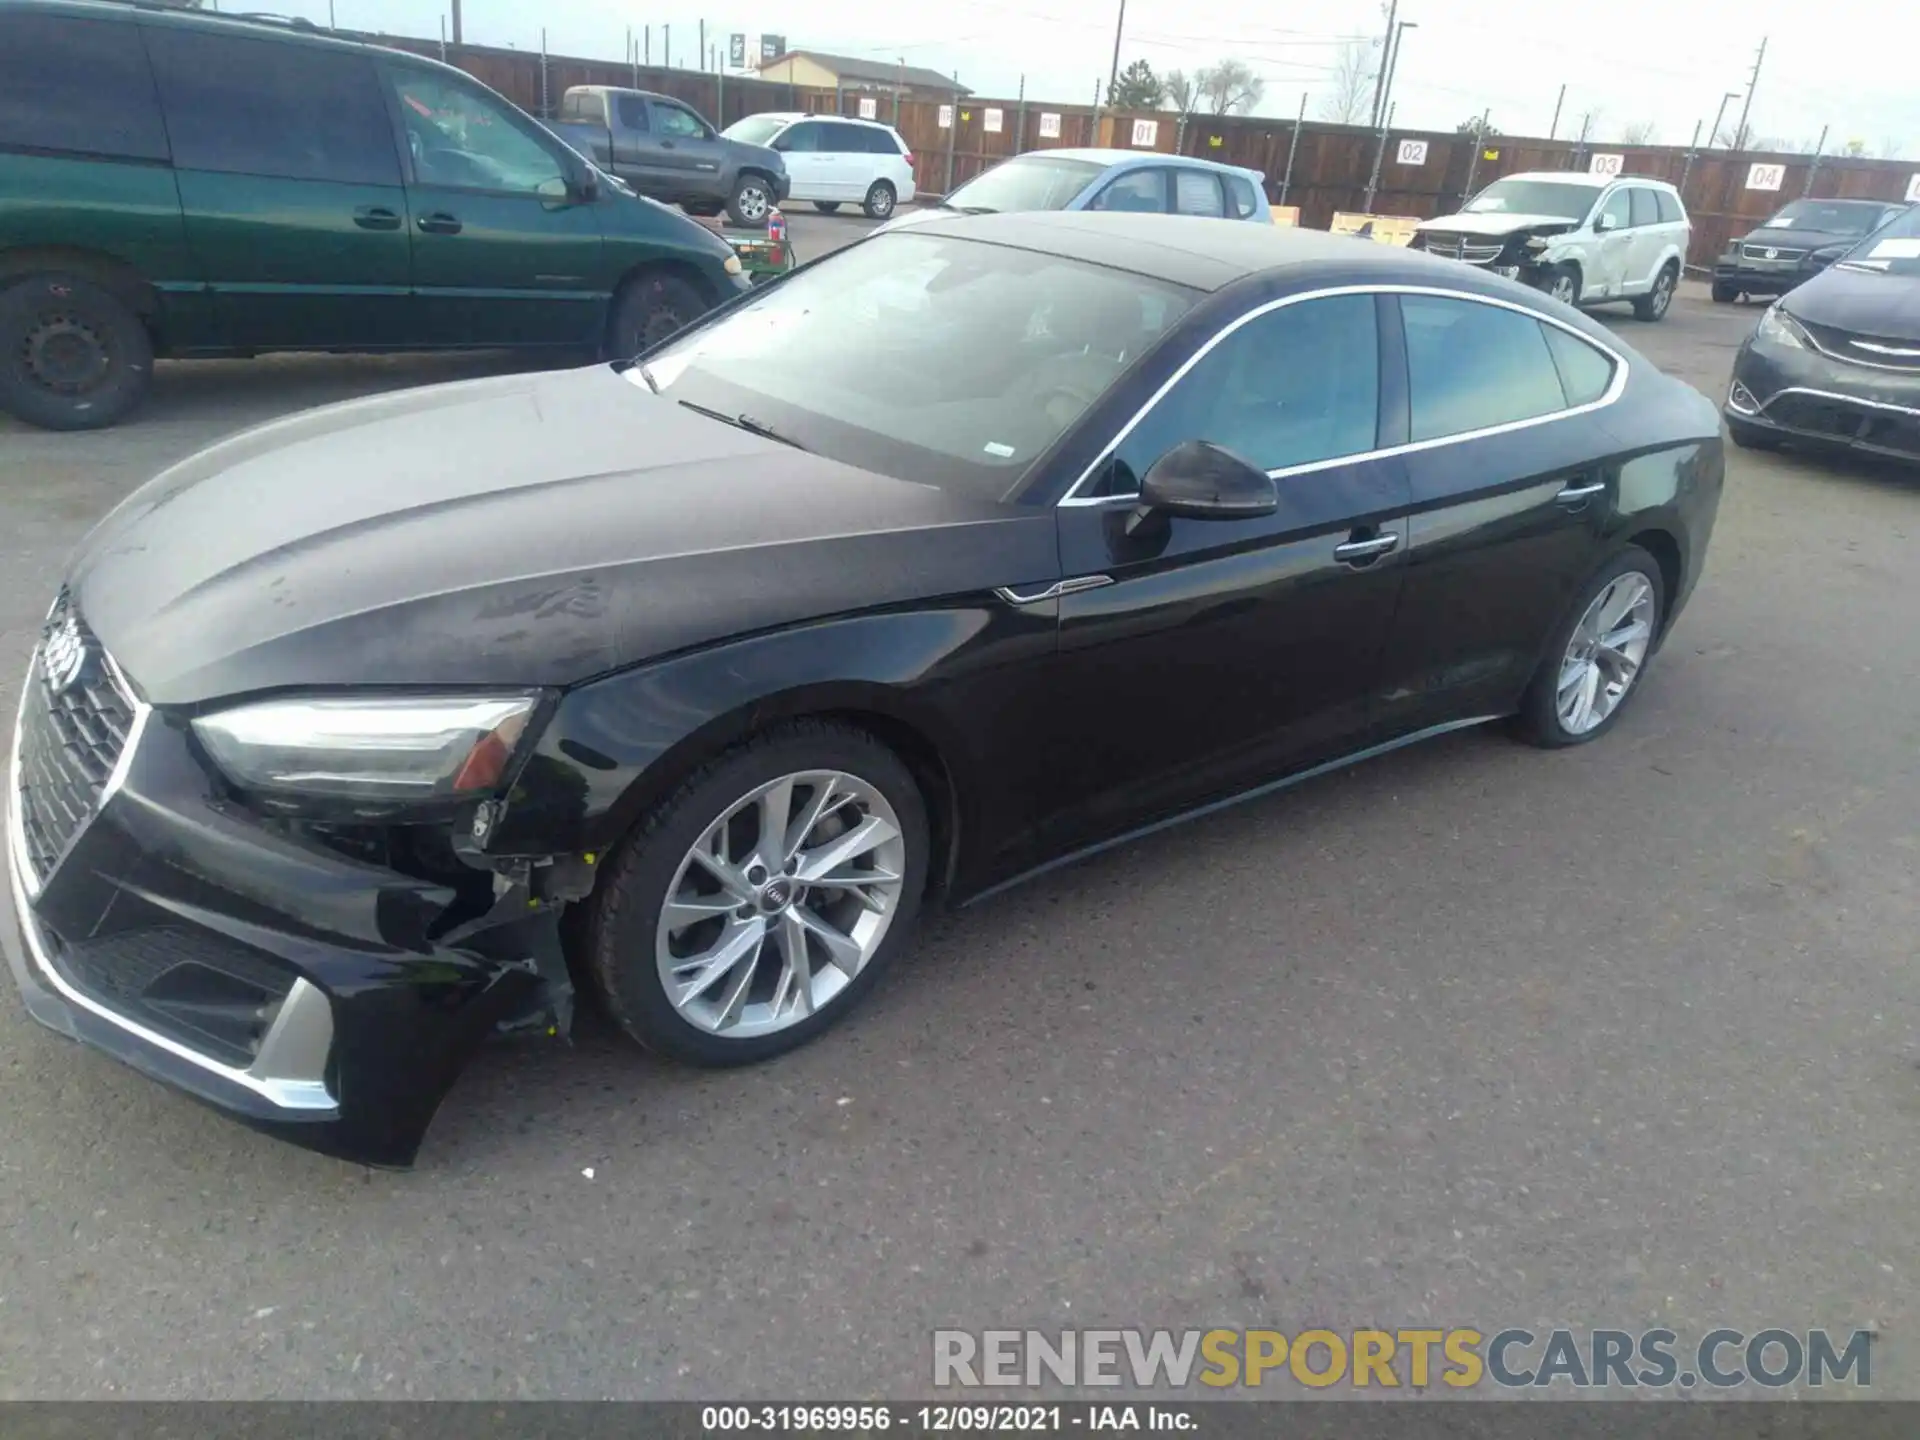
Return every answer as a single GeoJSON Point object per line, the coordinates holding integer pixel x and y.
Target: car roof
{"type": "Point", "coordinates": [1194, 251]}
{"type": "Point", "coordinates": [1115, 156]}
{"type": "Point", "coordinates": [1583, 177]}
{"type": "Point", "coordinates": [799, 115]}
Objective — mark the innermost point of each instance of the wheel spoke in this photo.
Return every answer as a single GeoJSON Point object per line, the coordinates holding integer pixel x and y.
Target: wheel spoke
{"type": "Point", "coordinates": [842, 949]}
{"type": "Point", "coordinates": [796, 971]}
{"type": "Point", "coordinates": [689, 910]}
{"type": "Point", "coordinates": [869, 834]}
{"type": "Point", "coordinates": [827, 796]}
{"type": "Point", "coordinates": [708, 858]}
{"type": "Point", "coordinates": [1633, 632]}
{"type": "Point", "coordinates": [740, 941]}
{"type": "Point", "coordinates": [776, 809]}
{"type": "Point", "coordinates": [1589, 691]}
{"type": "Point", "coordinates": [1620, 597]}
{"type": "Point", "coordinates": [750, 964]}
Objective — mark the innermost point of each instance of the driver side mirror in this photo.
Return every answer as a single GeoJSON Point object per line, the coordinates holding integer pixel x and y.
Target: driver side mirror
{"type": "Point", "coordinates": [1198, 480]}
{"type": "Point", "coordinates": [1604, 224]}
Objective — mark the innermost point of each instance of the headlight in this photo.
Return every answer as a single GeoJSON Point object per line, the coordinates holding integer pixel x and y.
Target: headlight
{"type": "Point", "coordinates": [1778, 328]}
{"type": "Point", "coordinates": [372, 748]}
{"type": "Point", "coordinates": [1538, 242]}
{"type": "Point", "coordinates": [731, 265]}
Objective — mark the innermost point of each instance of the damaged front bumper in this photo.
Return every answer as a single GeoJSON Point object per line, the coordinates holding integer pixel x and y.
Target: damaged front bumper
{"type": "Point", "coordinates": [302, 991]}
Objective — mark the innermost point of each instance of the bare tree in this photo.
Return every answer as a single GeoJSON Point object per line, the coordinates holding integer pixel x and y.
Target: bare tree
{"type": "Point", "coordinates": [1351, 96]}
{"type": "Point", "coordinates": [1892, 148]}
{"type": "Point", "coordinates": [1230, 87]}
{"type": "Point", "coordinates": [1735, 137]}
{"type": "Point", "coordinates": [1180, 91]}
{"type": "Point", "coordinates": [1640, 132]}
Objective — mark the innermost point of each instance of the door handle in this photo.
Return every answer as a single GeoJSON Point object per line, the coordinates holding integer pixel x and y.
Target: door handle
{"type": "Point", "coordinates": [1358, 553]}
{"type": "Point", "coordinates": [1580, 494]}
{"type": "Point", "coordinates": [376, 217]}
{"type": "Point", "coordinates": [440, 223]}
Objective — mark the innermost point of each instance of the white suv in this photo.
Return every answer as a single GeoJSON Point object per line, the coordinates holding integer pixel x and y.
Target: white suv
{"type": "Point", "coordinates": [1583, 238]}
{"type": "Point", "coordinates": [832, 160]}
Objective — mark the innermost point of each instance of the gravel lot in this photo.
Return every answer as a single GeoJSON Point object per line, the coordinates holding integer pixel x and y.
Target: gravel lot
{"type": "Point", "coordinates": [1473, 1034]}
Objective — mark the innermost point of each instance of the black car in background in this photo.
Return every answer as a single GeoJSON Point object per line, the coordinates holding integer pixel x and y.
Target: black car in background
{"type": "Point", "coordinates": [954, 555]}
{"type": "Point", "coordinates": [1836, 363]}
{"type": "Point", "coordinates": [1795, 244]}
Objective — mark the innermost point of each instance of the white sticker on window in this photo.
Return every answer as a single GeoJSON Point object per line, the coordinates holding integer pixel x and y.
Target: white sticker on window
{"type": "Point", "coordinates": [1897, 250]}
{"type": "Point", "coordinates": [995, 448]}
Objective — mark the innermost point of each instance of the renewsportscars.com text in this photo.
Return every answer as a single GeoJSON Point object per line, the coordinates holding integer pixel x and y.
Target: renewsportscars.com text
{"type": "Point", "coordinates": [1461, 1358]}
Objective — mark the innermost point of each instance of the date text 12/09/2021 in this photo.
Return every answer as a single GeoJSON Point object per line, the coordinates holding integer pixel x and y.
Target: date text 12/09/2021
{"type": "Point", "coordinates": [944, 1419]}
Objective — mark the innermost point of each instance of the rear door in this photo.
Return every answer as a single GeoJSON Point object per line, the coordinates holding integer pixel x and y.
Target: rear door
{"type": "Point", "coordinates": [851, 164]}
{"type": "Point", "coordinates": [289, 186]}
{"type": "Point", "coordinates": [1649, 239]}
{"type": "Point", "coordinates": [1211, 654]}
{"type": "Point", "coordinates": [501, 254]}
{"type": "Point", "coordinates": [1198, 192]}
{"type": "Point", "coordinates": [1509, 505]}
{"type": "Point", "coordinates": [1144, 191]}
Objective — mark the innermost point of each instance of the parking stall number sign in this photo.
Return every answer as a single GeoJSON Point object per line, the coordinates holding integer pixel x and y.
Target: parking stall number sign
{"type": "Point", "coordinates": [1413, 152]}
{"type": "Point", "coordinates": [993, 122]}
{"type": "Point", "coordinates": [1765, 177]}
{"type": "Point", "coordinates": [869, 109]}
{"type": "Point", "coordinates": [1050, 130]}
{"type": "Point", "coordinates": [1913, 191]}
{"type": "Point", "coordinates": [1606, 164]}
{"type": "Point", "coordinates": [1146, 132]}
{"type": "Point", "coordinates": [946, 117]}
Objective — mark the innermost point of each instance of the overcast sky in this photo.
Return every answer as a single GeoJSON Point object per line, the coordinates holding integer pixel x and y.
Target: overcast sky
{"type": "Point", "coordinates": [1663, 62]}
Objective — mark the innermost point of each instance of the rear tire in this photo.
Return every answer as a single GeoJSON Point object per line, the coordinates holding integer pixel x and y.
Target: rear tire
{"type": "Point", "coordinates": [1580, 648]}
{"type": "Point", "coordinates": [880, 200]}
{"type": "Point", "coordinates": [651, 307]}
{"type": "Point", "coordinates": [751, 200]}
{"type": "Point", "coordinates": [1751, 437]}
{"type": "Point", "coordinates": [1724, 294]}
{"type": "Point", "coordinates": [826, 207]}
{"type": "Point", "coordinates": [1655, 303]}
{"type": "Point", "coordinates": [736, 953]}
{"type": "Point", "coordinates": [73, 356]}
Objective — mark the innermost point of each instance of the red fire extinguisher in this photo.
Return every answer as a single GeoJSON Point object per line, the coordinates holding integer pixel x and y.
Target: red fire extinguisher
{"type": "Point", "coordinates": [776, 237]}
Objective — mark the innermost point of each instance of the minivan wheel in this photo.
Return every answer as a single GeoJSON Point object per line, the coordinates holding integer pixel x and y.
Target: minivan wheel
{"type": "Point", "coordinates": [758, 903]}
{"type": "Point", "coordinates": [1654, 304]}
{"type": "Point", "coordinates": [73, 356]}
{"type": "Point", "coordinates": [826, 207]}
{"type": "Point", "coordinates": [649, 309]}
{"type": "Point", "coordinates": [879, 201]}
{"type": "Point", "coordinates": [1594, 665]}
{"type": "Point", "coordinates": [751, 200]}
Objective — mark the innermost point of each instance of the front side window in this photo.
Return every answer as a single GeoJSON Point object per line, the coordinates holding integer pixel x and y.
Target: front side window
{"type": "Point", "coordinates": [1472, 366]}
{"type": "Point", "coordinates": [77, 85]}
{"type": "Point", "coordinates": [1195, 192]}
{"type": "Point", "coordinates": [934, 359]}
{"type": "Point", "coordinates": [462, 138]}
{"type": "Point", "coordinates": [1295, 386]}
{"type": "Point", "coordinates": [678, 123]}
{"type": "Point", "coordinates": [1617, 212]}
{"type": "Point", "coordinates": [1138, 192]}
{"type": "Point", "coordinates": [266, 107]}
{"type": "Point", "coordinates": [1034, 182]}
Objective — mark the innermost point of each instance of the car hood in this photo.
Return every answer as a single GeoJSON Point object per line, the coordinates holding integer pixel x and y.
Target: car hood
{"type": "Point", "coordinates": [1493, 223]}
{"type": "Point", "coordinates": [529, 530]}
{"type": "Point", "coordinates": [1861, 302]}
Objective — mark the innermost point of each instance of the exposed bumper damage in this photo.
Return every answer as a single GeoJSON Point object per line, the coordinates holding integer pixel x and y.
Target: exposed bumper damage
{"type": "Point", "coordinates": [1525, 254]}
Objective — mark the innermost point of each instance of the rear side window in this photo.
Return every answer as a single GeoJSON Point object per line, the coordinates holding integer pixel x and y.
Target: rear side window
{"type": "Point", "coordinates": [1646, 210]}
{"type": "Point", "coordinates": [265, 107]}
{"type": "Point", "coordinates": [1472, 366]}
{"type": "Point", "coordinates": [1585, 373]}
{"type": "Point", "coordinates": [1196, 192]}
{"type": "Point", "coordinates": [1668, 205]}
{"type": "Point", "coordinates": [632, 111]}
{"type": "Point", "coordinates": [77, 85]}
{"type": "Point", "coordinates": [851, 139]}
{"type": "Point", "coordinates": [1242, 199]}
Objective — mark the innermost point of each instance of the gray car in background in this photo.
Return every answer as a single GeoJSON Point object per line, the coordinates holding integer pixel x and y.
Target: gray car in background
{"type": "Point", "coordinates": [666, 149]}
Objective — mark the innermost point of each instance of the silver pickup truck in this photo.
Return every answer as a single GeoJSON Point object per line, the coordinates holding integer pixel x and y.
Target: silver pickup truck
{"type": "Point", "coordinates": [667, 150]}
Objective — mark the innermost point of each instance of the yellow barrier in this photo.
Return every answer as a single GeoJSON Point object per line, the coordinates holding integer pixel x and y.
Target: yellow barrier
{"type": "Point", "coordinates": [1285, 214]}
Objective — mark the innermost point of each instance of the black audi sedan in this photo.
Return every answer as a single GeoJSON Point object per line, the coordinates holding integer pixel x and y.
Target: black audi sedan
{"type": "Point", "coordinates": [956, 554]}
{"type": "Point", "coordinates": [1835, 365]}
{"type": "Point", "coordinates": [1795, 244]}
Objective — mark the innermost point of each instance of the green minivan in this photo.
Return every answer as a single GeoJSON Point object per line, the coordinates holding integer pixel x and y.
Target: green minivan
{"type": "Point", "coordinates": [182, 184]}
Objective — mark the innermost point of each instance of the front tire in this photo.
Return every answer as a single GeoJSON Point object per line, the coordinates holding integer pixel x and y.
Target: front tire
{"type": "Point", "coordinates": [650, 308]}
{"type": "Point", "coordinates": [1725, 294]}
{"type": "Point", "coordinates": [1594, 664]}
{"type": "Point", "coordinates": [880, 200]}
{"type": "Point", "coordinates": [751, 200]}
{"type": "Point", "coordinates": [1654, 304]}
{"type": "Point", "coordinates": [73, 356]}
{"type": "Point", "coordinates": [1562, 282]}
{"type": "Point", "coordinates": [759, 903]}
{"type": "Point", "coordinates": [827, 207]}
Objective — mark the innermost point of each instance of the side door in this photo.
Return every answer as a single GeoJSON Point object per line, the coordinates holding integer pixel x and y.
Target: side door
{"type": "Point", "coordinates": [689, 153]}
{"type": "Point", "coordinates": [503, 254]}
{"type": "Point", "coordinates": [290, 189]}
{"type": "Point", "coordinates": [1649, 239]}
{"type": "Point", "coordinates": [1144, 191]}
{"type": "Point", "coordinates": [1506, 412]}
{"type": "Point", "coordinates": [1209, 655]}
{"type": "Point", "coordinates": [807, 175]}
{"type": "Point", "coordinates": [634, 147]}
{"type": "Point", "coordinates": [850, 161]}
{"type": "Point", "coordinates": [1613, 246]}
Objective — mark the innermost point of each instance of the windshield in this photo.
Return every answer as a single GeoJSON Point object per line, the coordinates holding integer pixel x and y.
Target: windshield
{"type": "Point", "coordinates": [1832, 216]}
{"type": "Point", "coordinates": [929, 358]}
{"type": "Point", "coordinates": [756, 129]}
{"type": "Point", "coordinates": [1032, 182]}
{"type": "Point", "coordinates": [1894, 249]}
{"type": "Point", "coordinates": [1533, 197]}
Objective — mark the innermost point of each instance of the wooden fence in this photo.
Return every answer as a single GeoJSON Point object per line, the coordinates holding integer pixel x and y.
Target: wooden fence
{"type": "Point", "coordinates": [1330, 164]}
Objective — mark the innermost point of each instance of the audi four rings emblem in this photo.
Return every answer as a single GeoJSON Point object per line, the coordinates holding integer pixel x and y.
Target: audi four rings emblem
{"type": "Point", "coordinates": [64, 656]}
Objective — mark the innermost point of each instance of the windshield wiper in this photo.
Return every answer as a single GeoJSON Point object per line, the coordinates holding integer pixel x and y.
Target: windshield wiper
{"type": "Point", "coordinates": [746, 423]}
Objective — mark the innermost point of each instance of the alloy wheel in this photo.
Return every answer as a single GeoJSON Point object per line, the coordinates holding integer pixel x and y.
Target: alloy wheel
{"type": "Point", "coordinates": [1605, 653]}
{"type": "Point", "coordinates": [781, 903]}
{"type": "Point", "coordinates": [754, 203]}
{"type": "Point", "coordinates": [1563, 288]}
{"type": "Point", "coordinates": [1662, 293]}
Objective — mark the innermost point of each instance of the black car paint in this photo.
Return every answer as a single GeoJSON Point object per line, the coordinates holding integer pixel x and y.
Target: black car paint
{"type": "Point", "coordinates": [1863, 401]}
{"type": "Point", "coordinates": [1735, 270]}
{"type": "Point", "coordinates": [732, 581]}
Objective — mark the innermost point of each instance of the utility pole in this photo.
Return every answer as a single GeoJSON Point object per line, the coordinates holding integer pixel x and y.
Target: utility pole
{"type": "Point", "coordinates": [1393, 62]}
{"type": "Point", "coordinates": [700, 55]}
{"type": "Point", "coordinates": [1298, 120]}
{"type": "Point", "coordinates": [1473, 160]}
{"type": "Point", "coordinates": [1119, 25]}
{"type": "Point", "coordinates": [456, 22]}
{"type": "Point", "coordinates": [666, 46]}
{"type": "Point", "coordinates": [1554, 128]}
{"type": "Point", "coordinates": [1713, 135]}
{"type": "Point", "coordinates": [1740, 134]}
{"type": "Point", "coordinates": [1687, 169]}
{"type": "Point", "coordinates": [1386, 54]}
{"type": "Point", "coordinates": [1819, 149]}
{"type": "Point", "coordinates": [899, 84]}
